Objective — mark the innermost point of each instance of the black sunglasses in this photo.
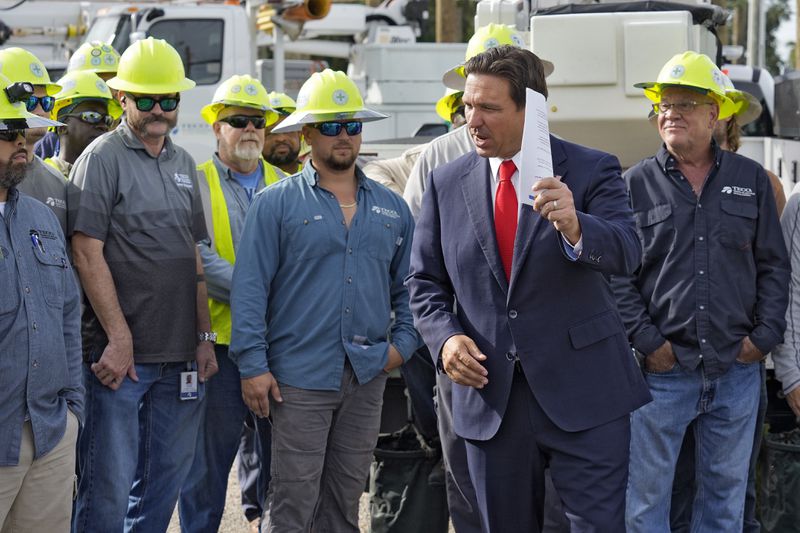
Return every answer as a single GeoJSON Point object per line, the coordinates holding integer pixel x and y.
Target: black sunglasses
{"type": "Point", "coordinates": [47, 102]}
{"type": "Point", "coordinates": [333, 129]}
{"type": "Point", "coordinates": [11, 135]}
{"type": "Point", "coordinates": [92, 117]}
{"type": "Point", "coordinates": [147, 103]}
{"type": "Point", "coordinates": [241, 121]}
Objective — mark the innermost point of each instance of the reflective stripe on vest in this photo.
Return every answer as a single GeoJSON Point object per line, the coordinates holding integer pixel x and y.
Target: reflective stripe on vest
{"type": "Point", "coordinates": [223, 240]}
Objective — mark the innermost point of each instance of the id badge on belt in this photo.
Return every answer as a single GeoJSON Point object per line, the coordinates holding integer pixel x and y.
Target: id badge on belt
{"type": "Point", "coordinates": [189, 382]}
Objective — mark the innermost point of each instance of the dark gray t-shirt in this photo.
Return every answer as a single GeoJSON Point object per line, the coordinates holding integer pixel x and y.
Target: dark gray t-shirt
{"type": "Point", "coordinates": [49, 187]}
{"type": "Point", "coordinates": [149, 215]}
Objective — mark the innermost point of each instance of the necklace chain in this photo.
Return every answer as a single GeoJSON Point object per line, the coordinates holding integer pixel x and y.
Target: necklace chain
{"type": "Point", "coordinates": [348, 206]}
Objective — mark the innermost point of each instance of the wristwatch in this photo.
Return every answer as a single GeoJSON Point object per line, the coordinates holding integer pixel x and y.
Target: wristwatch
{"type": "Point", "coordinates": [209, 336]}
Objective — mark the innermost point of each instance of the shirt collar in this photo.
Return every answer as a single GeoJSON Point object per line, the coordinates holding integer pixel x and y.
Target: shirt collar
{"type": "Point", "coordinates": [668, 162]}
{"type": "Point", "coordinates": [495, 162]}
{"type": "Point", "coordinates": [310, 176]}
{"type": "Point", "coordinates": [132, 141]}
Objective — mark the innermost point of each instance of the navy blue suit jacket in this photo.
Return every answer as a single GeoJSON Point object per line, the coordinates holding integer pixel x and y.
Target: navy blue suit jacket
{"type": "Point", "coordinates": [557, 316]}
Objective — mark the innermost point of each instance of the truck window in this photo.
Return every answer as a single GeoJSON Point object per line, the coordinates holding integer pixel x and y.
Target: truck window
{"type": "Point", "coordinates": [199, 42]}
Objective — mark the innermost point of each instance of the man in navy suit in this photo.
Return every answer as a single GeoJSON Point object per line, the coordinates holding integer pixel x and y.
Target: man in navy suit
{"type": "Point", "coordinates": [515, 307]}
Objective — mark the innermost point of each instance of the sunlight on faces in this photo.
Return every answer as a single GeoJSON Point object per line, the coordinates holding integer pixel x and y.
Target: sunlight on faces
{"type": "Point", "coordinates": [243, 144]}
{"type": "Point", "coordinates": [336, 153]}
{"type": "Point", "coordinates": [150, 124]}
{"type": "Point", "coordinates": [495, 124]}
{"type": "Point", "coordinates": [684, 131]}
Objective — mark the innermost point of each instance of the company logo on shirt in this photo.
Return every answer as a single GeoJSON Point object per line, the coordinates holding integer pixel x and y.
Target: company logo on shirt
{"type": "Point", "coordinates": [183, 180]}
{"type": "Point", "coordinates": [391, 213]}
{"type": "Point", "coordinates": [56, 202]}
{"type": "Point", "coordinates": [747, 192]}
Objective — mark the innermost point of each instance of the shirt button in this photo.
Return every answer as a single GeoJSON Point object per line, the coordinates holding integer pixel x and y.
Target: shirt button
{"type": "Point", "coordinates": [350, 251]}
{"type": "Point", "coordinates": [700, 356]}
{"type": "Point", "coordinates": [35, 363]}
{"type": "Point", "coordinates": [332, 197]}
{"type": "Point", "coordinates": [347, 310]}
{"type": "Point", "coordinates": [703, 341]}
{"type": "Point", "coordinates": [512, 313]}
{"type": "Point", "coordinates": [28, 290]}
{"type": "Point", "coordinates": [349, 279]}
{"type": "Point", "coordinates": [700, 238]}
{"type": "Point", "coordinates": [305, 221]}
{"type": "Point", "coordinates": [701, 272]}
{"type": "Point", "coordinates": [35, 326]}
{"type": "Point", "coordinates": [702, 307]}
{"type": "Point", "coordinates": [343, 222]}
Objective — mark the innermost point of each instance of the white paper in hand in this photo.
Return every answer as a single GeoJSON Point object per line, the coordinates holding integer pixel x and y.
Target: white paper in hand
{"type": "Point", "coordinates": [537, 163]}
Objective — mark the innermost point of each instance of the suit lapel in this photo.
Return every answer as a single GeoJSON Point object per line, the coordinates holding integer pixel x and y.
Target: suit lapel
{"type": "Point", "coordinates": [530, 223]}
{"type": "Point", "coordinates": [478, 198]}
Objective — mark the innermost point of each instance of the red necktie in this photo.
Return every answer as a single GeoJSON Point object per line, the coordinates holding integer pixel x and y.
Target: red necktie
{"type": "Point", "coordinates": [505, 215]}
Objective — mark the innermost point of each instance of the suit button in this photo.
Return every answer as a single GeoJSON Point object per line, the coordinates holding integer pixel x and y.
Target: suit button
{"type": "Point", "coordinates": [512, 313]}
{"type": "Point", "coordinates": [510, 356]}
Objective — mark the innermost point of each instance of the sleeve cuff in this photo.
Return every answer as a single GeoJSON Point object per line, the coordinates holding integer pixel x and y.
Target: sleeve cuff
{"type": "Point", "coordinates": [252, 364]}
{"type": "Point", "coordinates": [648, 341]}
{"type": "Point", "coordinates": [573, 252]}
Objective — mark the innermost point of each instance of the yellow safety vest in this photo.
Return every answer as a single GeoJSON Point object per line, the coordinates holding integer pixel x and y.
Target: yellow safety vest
{"type": "Point", "coordinates": [223, 240]}
{"type": "Point", "coordinates": [49, 161]}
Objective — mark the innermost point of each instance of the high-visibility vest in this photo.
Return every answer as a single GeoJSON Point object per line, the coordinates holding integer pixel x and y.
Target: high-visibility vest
{"type": "Point", "coordinates": [223, 240]}
{"type": "Point", "coordinates": [49, 161]}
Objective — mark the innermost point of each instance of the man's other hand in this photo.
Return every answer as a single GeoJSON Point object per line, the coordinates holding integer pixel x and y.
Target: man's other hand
{"type": "Point", "coordinates": [256, 392]}
{"type": "Point", "coordinates": [662, 360]}
{"type": "Point", "coordinates": [460, 359]}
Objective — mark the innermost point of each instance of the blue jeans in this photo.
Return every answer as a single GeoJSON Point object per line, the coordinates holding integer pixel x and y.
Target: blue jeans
{"type": "Point", "coordinates": [202, 499]}
{"type": "Point", "coordinates": [134, 450]}
{"type": "Point", "coordinates": [724, 410]}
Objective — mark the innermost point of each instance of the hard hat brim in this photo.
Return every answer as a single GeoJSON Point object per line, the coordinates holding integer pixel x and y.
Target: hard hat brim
{"type": "Point", "coordinates": [210, 112]}
{"type": "Point", "coordinates": [455, 79]}
{"type": "Point", "coordinates": [143, 88]}
{"type": "Point", "coordinates": [298, 119]}
{"type": "Point", "coordinates": [51, 88]}
{"type": "Point", "coordinates": [30, 121]}
{"type": "Point", "coordinates": [444, 106]}
{"type": "Point", "coordinates": [751, 109]}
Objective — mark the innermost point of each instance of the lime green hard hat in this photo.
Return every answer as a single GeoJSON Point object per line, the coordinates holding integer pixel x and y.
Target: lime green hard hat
{"type": "Point", "coordinates": [17, 64]}
{"type": "Point", "coordinates": [326, 96]}
{"type": "Point", "coordinates": [94, 56]}
{"type": "Point", "coordinates": [13, 114]}
{"type": "Point", "coordinates": [486, 37]}
{"type": "Point", "coordinates": [448, 103]}
{"type": "Point", "coordinates": [692, 71]}
{"type": "Point", "coordinates": [151, 66]}
{"type": "Point", "coordinates": [282, 103]}
{"type": "Point", "coordinates": [80, 85]}
{"type": "Point", "coordinates": [240, 91]}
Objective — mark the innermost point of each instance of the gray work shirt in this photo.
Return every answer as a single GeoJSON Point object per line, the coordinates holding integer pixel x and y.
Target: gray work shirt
{"type": "Point", "coordinates": [40, 346]}
{"type": "Point", "coordinates": [45, 184]}
{"type": "Point", "coordinates": [148, 213]}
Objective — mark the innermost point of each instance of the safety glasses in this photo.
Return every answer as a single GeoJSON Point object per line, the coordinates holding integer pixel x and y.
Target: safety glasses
{"type": "Point", "coordinates": [333, 129]}
{"type": "Point", "coordinates": [11, 135]}
{"type": "Point", "coordinates": [92, 117]}
{"type": "Point", "coordinates": [46, 102]}
{"type": "Point", "coordinates": [147, 103]}
{"type": "Point", "coordinates": [241, 121]}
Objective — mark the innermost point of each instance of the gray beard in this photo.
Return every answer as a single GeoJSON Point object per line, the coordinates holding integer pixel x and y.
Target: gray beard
{"type": "Point", "coordinates": [247, 153]}
{"type": "Point", "coordinates": [12, 175]}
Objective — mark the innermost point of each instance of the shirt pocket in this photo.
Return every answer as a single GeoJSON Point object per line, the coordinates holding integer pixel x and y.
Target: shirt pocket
{"type": "Point", "coordinates": [308, 238]}
{"type": "Point", "coordinates": [383, 234]}
{"type": "Point", "coordinates": [52, 266]}
{"type": "Point", "coordinates": [656, 228]}
{"type": "Point", "coordinates": [738, 224]}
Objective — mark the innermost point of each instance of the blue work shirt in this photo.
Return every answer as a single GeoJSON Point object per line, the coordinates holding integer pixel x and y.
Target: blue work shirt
{"type": "Point", "coordinates": [307, 291]}
{"type": "Point", "coordinates": [40, 331]}
{"type": "Point", "coordinates": [714, 267]}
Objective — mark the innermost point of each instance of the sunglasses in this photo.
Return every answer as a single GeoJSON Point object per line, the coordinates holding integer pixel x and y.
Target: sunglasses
{"type": "Point", "coordinates": [333, 129]}
{"type": "Point", "coordinates": [241, 121]}
{"type": "Point", "coordinates": [93, 117]}
{"type": "Point", "coordinates": [47, 102]}
{"type": "Point", "coordinates": [147, 103]}
{"type": "Point", "coordinates": [11, 135]}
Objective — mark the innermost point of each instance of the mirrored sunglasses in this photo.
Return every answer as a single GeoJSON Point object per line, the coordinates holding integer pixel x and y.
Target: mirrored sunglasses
{"type": "Point", "coordinates": [147, 103]}
{"type": "Point", "coordinates": [46, 102]}
{"type": "Point", "coordinates": [333, 129]}
{"type": "Point", "coordinates": [92, 117]}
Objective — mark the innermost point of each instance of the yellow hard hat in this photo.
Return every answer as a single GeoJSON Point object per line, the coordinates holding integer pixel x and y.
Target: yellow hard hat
{"type": "Point", "coordinates": [282, 103]}
{"type": "Point", "coordinates": [13, 114]}
{"type": "Point", "coordinates": [80, 85]}
{"type": "Point", "coordinates": [241, 91]}
{"type": "Point", "coordinates": [484, 38]}
{"type": "Point", "coordinates": [748, 108]}
{"type": "Point", "coordinates": [150, 66]}
{"type": "Point", "coordinates": [326, 96]}
{"type": "Point", "coordinates": [17, 64]}
{"type": "Point", "coordinates": [692, 71]}
{"type": "Point", "coordinates": [448, 103]}
{"type": "Point", "coordinates": [94, 56]}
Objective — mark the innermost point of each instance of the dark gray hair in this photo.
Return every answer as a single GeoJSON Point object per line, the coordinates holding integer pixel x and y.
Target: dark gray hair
{"type": "Point", "coordinates": [522, 68]}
